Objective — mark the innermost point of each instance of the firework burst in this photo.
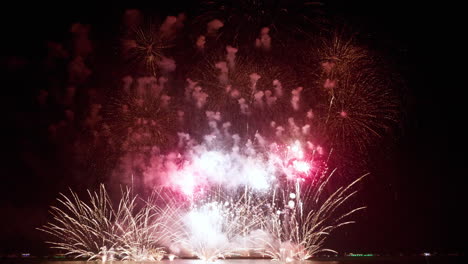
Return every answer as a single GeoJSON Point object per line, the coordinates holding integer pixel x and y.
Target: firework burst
{"type": "Point", "coordinates": [98, 230]}
{"type": "Point", "coordinates": [85, 230]}
{"type": "Point", "coordinates": [363, 109]}
{"type": "Point", "coordinates": [353, 97]}
{"type": "Point", "coordinates": [148, 45]}
{"type": "Point", "coordinates": [291, 224]}
{"type": "Point", "coordinates": [302, 217]}
{"type": "Point", "coordinates": [141, 115]}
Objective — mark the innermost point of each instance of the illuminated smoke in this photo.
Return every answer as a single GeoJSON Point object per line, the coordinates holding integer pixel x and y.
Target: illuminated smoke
{"type": "Point", "coordinates": [82, 46]}
{"type": "Point", "coordinates": [167, 65]}
{"type": "Point", "coordinates": [296, 97]}
{"type": "Point", "coordinates": [200, 43]}
{"type": "Point", "coordinates": [264, 40]}
{"type": "Point", "coordinates": [231, 57]}
{"type": "Point", "coordinates": [213, 26]}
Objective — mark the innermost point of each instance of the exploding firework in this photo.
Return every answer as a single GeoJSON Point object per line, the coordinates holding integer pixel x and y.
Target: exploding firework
{"type": "Point", "coordinates": [362, 109]}
{"type": "Point", "coordinates": [85, 230]}
{"type": "Point", "coordinates": [148, 45]}
{"type": "Point", "coordinates": [339, 53]}
{"type": "Point", "coordinates": [222, 211]}
{"type": "Point", "coordinates": [302, 217]}
{"type": "Point", "coordinates": [235, 203]}
{"type": "Point", "coordinates": [219, 226]}
{"type": "Point", "coordinates": [290, 224]}
{"type": "Point", "coordinates": [98, 230]}
{"type": "Point", "coordinates": [141, 114]}
{"type": "Point", "coordinates": [352, 94]}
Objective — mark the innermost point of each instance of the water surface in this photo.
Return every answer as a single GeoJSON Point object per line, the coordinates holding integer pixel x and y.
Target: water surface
{"type": "Point", "coordinates": [343, 260]}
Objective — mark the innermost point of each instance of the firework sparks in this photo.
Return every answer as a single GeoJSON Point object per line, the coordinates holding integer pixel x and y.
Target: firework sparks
{"type": "Point", "coordinates": [146, 44]}
{"type": "Point", "coordinates": [98, 230]}
{"type": "Point", "coordinates": [361, 112]}
{"type": "Point", "coordinates": [141, 114]}
{"type": "Point", "coordinates": [298, 231]}
{"type": "Point", "coordinates": [354, 99]}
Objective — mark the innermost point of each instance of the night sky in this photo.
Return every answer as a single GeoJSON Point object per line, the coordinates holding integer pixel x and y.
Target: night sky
{"type": "Point", "coordinates": [413, 195]}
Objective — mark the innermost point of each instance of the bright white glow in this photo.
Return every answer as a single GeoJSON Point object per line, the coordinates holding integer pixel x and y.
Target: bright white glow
{"type": "Point", "coordinates": [205, 222]}
{"type": "Point", "coordinates": [211, 162]}
{"type": "Point", "coordinates": [257, 177]}
{"type": "Point", "coordinates": [296, 150]}
{"type": "Point", "coordinates": [292, 195]}
{"type": "Point", "coordinates": [230, 169]}
{"type": "Point", "coordinates": [186, 182]}
{"type": "Point", "coordinates": [301, 166]}
{"type": "Point", "coordinates": [291, 204]}
{"type": "Point", "coordinates": [206, 229]}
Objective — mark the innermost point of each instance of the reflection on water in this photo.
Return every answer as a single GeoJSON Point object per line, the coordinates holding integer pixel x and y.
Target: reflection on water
{"type": "Point", "coordinates": [177, 261]}
{"type": "Point", "coordinates": [197, 261]}
{"type": "Point", "coordinates": [339, 260]}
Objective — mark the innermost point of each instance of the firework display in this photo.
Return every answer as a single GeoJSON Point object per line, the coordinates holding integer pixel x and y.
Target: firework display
{"type": "Point", "coordinates": [210, 225]}
{"type": "Point", "coordinates": [225, 132]}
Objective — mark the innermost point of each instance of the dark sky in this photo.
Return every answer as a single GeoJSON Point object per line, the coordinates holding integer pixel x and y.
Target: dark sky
{"type": "Point", "coordinates": [413, 196]}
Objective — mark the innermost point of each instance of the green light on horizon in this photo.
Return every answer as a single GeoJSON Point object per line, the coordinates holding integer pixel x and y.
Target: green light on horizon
{"type": "Point", "coordinates": [361, 255]}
